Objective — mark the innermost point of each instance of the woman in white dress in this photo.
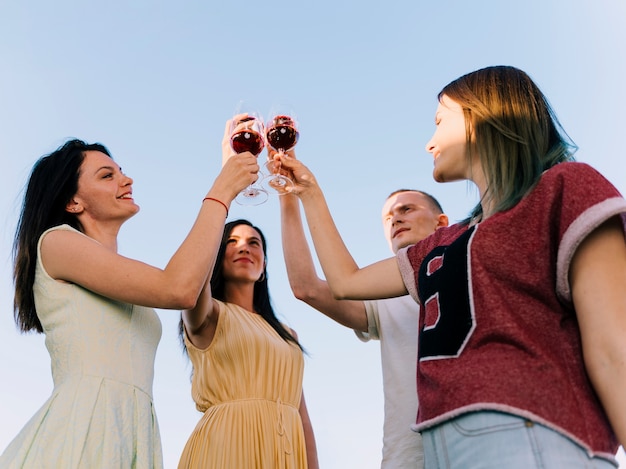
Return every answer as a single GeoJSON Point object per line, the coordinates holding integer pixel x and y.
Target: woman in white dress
{"type": "Point", "coordinates": [95, 306]}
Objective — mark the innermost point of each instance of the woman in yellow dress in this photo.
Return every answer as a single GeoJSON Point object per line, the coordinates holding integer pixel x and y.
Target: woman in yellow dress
{"type": "Point", "coordinates": [247, 367]}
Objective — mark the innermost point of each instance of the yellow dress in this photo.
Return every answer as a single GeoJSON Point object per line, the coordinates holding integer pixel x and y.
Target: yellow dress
{"type": "Point", "coordinates": [100, 413]}
{"type": "Point", "coordinates": [248, 383]}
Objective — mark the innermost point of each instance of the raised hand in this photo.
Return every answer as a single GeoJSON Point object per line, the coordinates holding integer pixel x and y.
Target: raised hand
{"type": "Point", "coordinates": [302, 177]}
{"type": "Point", "coordinates": [238, 172]}
{"type": "Point", "coordinates": [245, 133]}
{"type": "Point", "coordinates": [227, 150]}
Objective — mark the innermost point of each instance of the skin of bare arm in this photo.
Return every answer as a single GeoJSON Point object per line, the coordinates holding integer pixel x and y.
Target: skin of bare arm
{"type": "Point", "coordinates": [345, 279]}
{"type": "Point", "coordinates": [200, 320]}
{"type": "Point", "coordinates": [304, 282]}
{"type": "Point", "coordinates": [597, 279]}
{"type": "Point", "coordinates": [307, 428]}
{"type": "Point", "coordinates": [309, 436]}
{"type": "Point", "coordinates": [93, 262]}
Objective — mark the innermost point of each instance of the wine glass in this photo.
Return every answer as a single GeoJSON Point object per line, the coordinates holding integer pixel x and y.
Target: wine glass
{"type": "Point", "coordinates": [282, 135]}
{"type": "Point", "coordinates": [247, 133]}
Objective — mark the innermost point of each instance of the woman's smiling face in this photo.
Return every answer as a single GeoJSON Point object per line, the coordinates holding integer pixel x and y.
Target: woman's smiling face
{"type": "Point", "coordinates": [104, 192]}
{"type": "Point", "coordinates": [448, 144]}
{"type": "Point", "coordinates": [244, 259]}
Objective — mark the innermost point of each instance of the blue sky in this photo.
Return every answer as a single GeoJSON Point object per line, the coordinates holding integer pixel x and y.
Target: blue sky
{"type": "Point", "coordinates": [155, 81]}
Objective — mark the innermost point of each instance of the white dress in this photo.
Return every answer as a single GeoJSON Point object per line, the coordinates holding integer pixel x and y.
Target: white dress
{"type": "Point", "coordinates": [100, 413]}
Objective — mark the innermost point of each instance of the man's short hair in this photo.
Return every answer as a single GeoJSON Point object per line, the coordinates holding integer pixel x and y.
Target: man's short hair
{"type": "Point", "coordinates": [435, 205]}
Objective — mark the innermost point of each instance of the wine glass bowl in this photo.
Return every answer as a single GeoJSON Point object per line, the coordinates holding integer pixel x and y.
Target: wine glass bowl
{"type": "Point", "coordinates": [246, 136]}
{"type": "Point", "coordinates": [247, 133]}
{"type": "Point", "coordinates": [281, 135]}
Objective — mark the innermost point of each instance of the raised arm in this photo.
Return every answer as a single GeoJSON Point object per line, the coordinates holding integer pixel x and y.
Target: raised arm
{"type": "Point", "coordinates": [597, 279]}
{"type": "Point", "coordinates": [72, 257]}
{"type": "Point", "coordinates": [345, 279]}
{"type": "Point", "coordinates": [304, 282]}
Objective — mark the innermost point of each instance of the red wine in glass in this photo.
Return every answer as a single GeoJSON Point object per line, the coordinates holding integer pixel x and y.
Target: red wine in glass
{"type": "Point", "coordinates": [247, 135]}
{"type": "Point", "coordinates": [282, 135]}
{"type": "Point", "coordinates": [247, 140]}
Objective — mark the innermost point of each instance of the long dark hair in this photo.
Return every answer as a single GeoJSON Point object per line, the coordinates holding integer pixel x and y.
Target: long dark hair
{"type": "Point", "coordinates": [261, 297]}
{"type": "Point", "coordinates": [52, 183]}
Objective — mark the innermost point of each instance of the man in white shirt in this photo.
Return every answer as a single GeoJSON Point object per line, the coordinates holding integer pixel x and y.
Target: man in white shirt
{"type": "Point", "coordinates": [408, 216]}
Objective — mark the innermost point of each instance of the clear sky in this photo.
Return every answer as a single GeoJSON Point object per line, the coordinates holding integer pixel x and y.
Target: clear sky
{"type": "Point", "coordinates": [155, 81]}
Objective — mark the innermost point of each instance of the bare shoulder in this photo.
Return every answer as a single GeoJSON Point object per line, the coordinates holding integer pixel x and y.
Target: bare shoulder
{"type": "Point", "coordinates": [64, 251]}
{"type": "Point", "coordinates": [62, 236]}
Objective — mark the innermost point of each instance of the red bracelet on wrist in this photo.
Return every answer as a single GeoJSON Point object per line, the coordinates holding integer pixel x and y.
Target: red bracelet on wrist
{"type": "Point", "coordinates": [218, 201]}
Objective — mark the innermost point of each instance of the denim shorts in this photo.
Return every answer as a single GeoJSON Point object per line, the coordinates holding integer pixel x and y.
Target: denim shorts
{"type": "Point", "coordinates": [496, 440]}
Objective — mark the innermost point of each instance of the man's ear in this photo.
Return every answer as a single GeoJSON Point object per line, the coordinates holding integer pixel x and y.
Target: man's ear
{"type": "Point", "coordinates": [442, 220]}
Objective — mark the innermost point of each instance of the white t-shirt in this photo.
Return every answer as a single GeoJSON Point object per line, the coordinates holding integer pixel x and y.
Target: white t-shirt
{"type": "Point", "coordinates": [393, 321]}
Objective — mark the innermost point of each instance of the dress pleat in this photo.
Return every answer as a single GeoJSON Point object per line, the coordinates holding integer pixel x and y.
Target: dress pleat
{"type": "Point", "coordinates": [100, 413]}
{"type": "Point", "coordinates": [248, 384]}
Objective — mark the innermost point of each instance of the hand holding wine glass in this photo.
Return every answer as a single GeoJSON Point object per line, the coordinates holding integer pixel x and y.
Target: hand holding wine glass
{"type": "Point", "coordinates": [282, 135]}
{"type": "Point", "coordinates": [247, 135]}
{"type": "Point", "coordinates": [303, 179]}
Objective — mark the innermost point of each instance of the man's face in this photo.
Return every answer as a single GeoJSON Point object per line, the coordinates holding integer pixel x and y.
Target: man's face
{"type": "Point", "coordinates": [408, 217]}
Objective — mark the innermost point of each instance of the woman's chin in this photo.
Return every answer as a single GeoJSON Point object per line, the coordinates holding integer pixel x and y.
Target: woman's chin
{"type": "Point", "coordinates": [439, 177]}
